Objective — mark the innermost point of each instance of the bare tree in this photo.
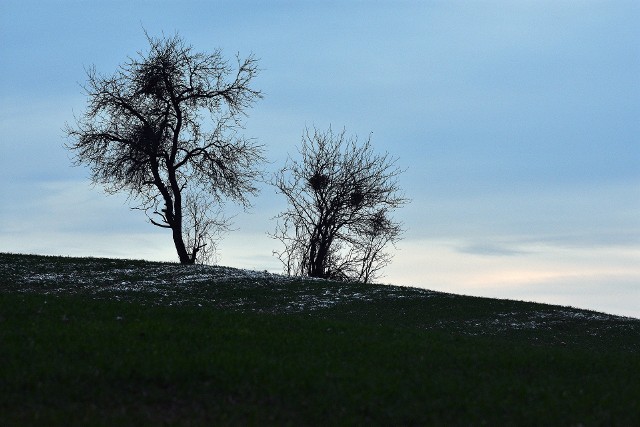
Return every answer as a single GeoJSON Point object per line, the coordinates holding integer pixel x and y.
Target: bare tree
{"type": "Point", "coordinates": [164, 128]}
{"type": "Point", "coordinates": [340, 196]}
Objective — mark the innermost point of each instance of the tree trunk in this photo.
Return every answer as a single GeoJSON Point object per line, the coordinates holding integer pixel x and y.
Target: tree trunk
{"type": "Point", "coordinates": [176, 225]}
{"type": "Point", "coordinates": [176, 228]}
{"type": "Point", "coordinates": [319, 262]}
{"type": "Point", "coordinates": [183, 254]}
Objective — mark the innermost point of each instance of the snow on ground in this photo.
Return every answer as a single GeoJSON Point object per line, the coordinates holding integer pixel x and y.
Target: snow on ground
{"type": "Point", "coordinates": [175, 284]}
{"type": "Point", "coordinates": [224, 287]}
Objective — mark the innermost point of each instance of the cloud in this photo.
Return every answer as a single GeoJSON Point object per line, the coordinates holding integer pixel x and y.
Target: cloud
{"type": "Point", "coordinates": [491, 249]}
{"type": "Point", "coordinates": [69, 206]}
{"type": "Point", "coordinates": [605, 278]}
{"type": "Point", "coordinates": [599, 215]}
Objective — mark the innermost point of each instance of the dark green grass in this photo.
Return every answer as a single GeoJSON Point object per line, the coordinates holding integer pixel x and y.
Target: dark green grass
{"type": "Point", "coordinates": [392, 356]}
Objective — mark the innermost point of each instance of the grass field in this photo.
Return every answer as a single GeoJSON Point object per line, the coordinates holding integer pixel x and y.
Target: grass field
{"type": "Point", "coordinates": [117, 342]}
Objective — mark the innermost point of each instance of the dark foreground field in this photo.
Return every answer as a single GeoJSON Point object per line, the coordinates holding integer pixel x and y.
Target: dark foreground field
{"type": "Point", "coordinates": [111, 342]}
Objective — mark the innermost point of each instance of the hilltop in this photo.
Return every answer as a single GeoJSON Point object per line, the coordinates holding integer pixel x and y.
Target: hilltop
{"type": "Point", "coordinates": [104, 341]}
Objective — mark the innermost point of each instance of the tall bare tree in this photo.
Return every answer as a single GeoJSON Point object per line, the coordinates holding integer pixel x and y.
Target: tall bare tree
{"type": "Point", "coordinates": [164, 128]}
{"type": "Point", "coordinates": [340, 198]}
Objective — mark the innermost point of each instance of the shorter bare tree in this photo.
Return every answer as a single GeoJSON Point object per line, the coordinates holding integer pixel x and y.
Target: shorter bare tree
{"type": "Point", "coordinates": [340, 197]}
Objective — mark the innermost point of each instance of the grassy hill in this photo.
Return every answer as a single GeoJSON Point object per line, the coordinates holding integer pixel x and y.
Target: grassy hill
{"type": "Point", "coordinates": [119, 342]}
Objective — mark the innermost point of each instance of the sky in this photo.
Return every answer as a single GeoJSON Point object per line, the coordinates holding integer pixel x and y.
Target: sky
{"type": "Point", "coordinates": [517, 123]}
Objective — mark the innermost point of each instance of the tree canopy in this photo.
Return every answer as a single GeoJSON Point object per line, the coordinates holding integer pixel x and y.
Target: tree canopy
{"type": "Point", "coordinates": [340, 198]}
{"type": "Point", "coordinates": [165, 129]}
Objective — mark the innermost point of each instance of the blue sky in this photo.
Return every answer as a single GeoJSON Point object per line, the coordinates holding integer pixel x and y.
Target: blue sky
{"type": "Point", "coordinates": [517, 121]}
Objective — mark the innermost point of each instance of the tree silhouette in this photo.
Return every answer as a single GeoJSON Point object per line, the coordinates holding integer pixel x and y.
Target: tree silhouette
{"type": "Point", "coordinates": [340, 196]}
{"type": "Point", "coordinates": [164, 128]}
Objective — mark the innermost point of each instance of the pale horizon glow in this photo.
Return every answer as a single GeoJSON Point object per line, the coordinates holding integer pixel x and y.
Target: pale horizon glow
{"type": "Point", "coordinates": [517, 123]}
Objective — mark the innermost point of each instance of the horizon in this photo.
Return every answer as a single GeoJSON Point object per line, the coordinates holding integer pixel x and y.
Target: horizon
{"type": "Point", "coordinates": [517, 124]}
